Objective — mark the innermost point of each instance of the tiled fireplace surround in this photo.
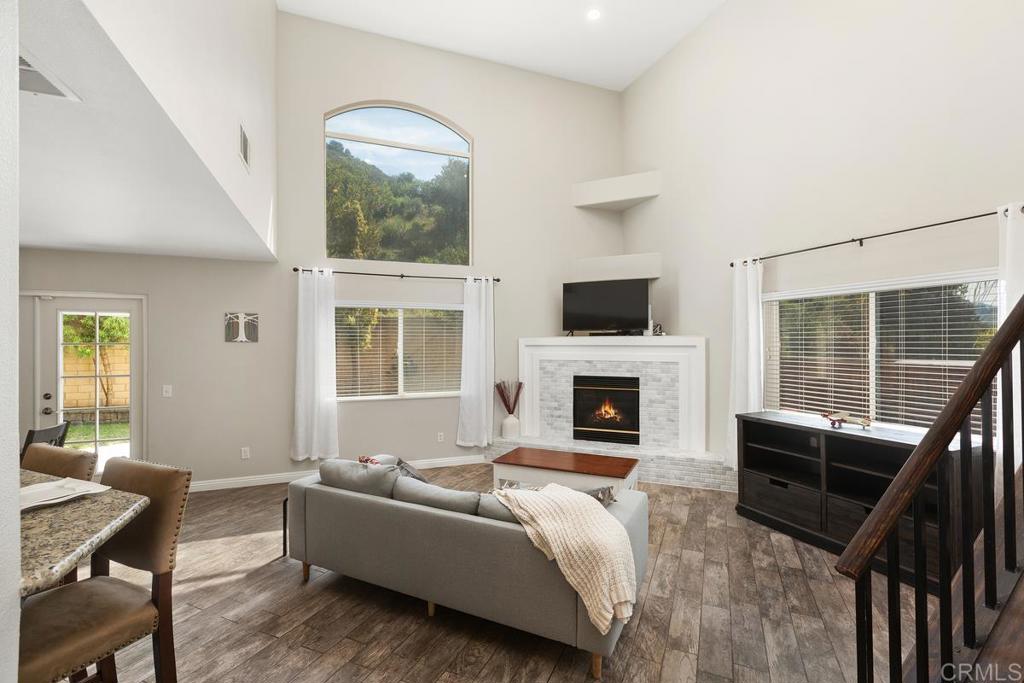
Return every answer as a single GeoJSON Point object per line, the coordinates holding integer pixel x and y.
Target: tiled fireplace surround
{"type": "Point", "coordinates": [672, 402]}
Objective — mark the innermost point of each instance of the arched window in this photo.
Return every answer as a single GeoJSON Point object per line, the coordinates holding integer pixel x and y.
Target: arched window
{"type": "Point", "coordinates": [398, 186]}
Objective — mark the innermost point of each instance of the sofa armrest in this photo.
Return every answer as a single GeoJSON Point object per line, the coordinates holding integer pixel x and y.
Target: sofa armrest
{"type": "Point", "coordinates": [297, 516]}
{"type": "Point", "coordinates": [630, 508]}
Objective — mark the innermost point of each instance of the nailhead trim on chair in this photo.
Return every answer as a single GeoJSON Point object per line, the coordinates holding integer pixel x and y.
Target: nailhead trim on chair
{"type": "Point", "coordinates": [181, 511]}
{"type": "Point", "coordinates": [106, 654]}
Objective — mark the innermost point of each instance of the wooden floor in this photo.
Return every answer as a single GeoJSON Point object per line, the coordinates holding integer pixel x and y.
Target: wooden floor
{"type": "Point", "coordinates": [724, 599]}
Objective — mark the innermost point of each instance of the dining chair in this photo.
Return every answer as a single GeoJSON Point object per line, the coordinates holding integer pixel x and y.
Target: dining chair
{"type": "Point", "coordinates": [59, 462]}
{"type": "Point", "coordinates": [54, 436]}
{"type": "Point", "coordinates": [65, 630]}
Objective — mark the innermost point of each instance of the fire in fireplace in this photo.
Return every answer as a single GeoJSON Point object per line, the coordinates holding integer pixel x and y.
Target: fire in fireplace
{"type": "Point", "coordinates": [606, 409]}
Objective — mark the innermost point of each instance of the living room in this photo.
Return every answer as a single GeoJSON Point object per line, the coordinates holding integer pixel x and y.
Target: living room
{"type": "Point", "coordinates": [258, 242]}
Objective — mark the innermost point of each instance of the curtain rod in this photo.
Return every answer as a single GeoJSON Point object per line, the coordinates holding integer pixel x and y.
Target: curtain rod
{"type": "Point", "coordinates": [398, 275]}
{"type": "Point", "coordinates": [861, 240]}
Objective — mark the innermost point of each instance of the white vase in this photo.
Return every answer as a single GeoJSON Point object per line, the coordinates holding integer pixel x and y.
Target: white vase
{"type": "Point", "coordinates": [510, 427]}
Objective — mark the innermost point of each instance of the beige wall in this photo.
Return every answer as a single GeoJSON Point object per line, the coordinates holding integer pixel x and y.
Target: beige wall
{"type": "Point", "coordinates": [786, 124]}
{"type": "Point", "coordinates": [533, 137]}
{"type": "Point", "coordinates": [10, 519]}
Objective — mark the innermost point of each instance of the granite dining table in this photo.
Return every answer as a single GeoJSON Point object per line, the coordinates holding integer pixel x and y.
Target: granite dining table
{"type": "Point", "coordinates": [55, 539]}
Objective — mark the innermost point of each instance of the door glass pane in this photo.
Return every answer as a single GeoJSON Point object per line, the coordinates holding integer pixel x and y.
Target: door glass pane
{"type": "Point", "coordinates": [114, 328]}
{"type": "Point", "coordinates": [112, 449]}
{"type": "Point", "coordinates": [114, 424]}
{"type": "Point", "coordinates": [78, 359]}
{"type": "Point", "coordinates": [78, 327]}
{"type": "Point", "coordinates": [115, 391]}
{"type": "Point", "coordinates": [115, 359]}
{"type": "Point", "coordinates": [82, 428]}
{"type": "Point", "coordinates": [78, 392]}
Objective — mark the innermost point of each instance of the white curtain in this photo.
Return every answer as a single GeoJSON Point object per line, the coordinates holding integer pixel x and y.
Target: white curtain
{"type": "Point", "coordinates": [747, 374]}
{"type": "Point", "coordinates": [1011, 272]}
{"type": "Point", "coordinates": [316, 395]}
{"type": "Point", "coordinates": [476, 405]}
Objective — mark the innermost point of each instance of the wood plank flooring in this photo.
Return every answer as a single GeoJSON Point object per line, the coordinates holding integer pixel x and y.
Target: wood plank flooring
{"type": "Point", "coordinates": [723, 599]}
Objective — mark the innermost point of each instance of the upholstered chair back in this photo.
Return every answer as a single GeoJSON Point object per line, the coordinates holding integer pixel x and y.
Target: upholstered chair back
{"type": "Point", "coordinates": [59, 462]}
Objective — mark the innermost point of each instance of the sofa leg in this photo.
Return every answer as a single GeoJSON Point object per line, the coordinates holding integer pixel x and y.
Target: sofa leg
{"type": "Point", "coordinates": [595, 666]}
{"type": "Point", "coordinates": [431, 607]}
{"type": "Point", "coordinates": [305, 572]}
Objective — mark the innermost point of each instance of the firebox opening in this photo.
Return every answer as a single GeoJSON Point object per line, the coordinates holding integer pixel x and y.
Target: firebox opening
{"type": "Point", "coordinates": [606, 409]}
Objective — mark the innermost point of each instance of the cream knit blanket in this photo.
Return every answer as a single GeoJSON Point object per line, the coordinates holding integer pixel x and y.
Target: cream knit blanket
{"type": "Point", "coordinates": [590, 546]}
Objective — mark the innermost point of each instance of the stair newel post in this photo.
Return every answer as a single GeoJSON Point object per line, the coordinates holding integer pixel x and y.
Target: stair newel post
{"type": "Point", "coordinates": [1009, 489]}
{"type": "Point", "coordinates": [945, 563]}
{"type": "Point", "coordinates": [892, 582]}
{"type": "Point", "coordinates": [865, 641]}
{"type": "Point", "coordinates": [920, 590]}
{"type": "Point", "coordinates": [967, 532]}
{"type": "Point", "coordinates": [988, 499]}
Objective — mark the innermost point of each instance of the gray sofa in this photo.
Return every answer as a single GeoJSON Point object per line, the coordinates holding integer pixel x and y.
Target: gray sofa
{"type": "Point", "coordinates": [472, 564]}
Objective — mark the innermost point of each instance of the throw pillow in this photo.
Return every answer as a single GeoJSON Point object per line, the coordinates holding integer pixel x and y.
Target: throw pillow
{"type": "Point", "coordinates": [605, 495]}
{"type": "Point", "coordinates": [367, 460]}
{"type": "Point", "coordinates": [375, 480]}
{"type": "Point", "coordinates": [492, 508]}
{"type": "Point", "coordinates": [413, 490]}
{"type": "Point", "coordinates": [407, 469]}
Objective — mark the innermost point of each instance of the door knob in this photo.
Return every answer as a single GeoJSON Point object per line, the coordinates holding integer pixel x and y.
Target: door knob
{"type": "Point", "coordinates": [47, 410]}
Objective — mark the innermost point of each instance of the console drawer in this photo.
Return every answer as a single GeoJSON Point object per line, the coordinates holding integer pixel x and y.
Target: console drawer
{"type": "Point", "coordinates": [845, 517]}
{"type": "Point", "coordinates": [786, 501]}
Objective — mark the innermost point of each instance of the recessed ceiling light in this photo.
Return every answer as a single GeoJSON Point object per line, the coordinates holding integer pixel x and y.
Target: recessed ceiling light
{"type": "Point", "coordinates": [593, 14]}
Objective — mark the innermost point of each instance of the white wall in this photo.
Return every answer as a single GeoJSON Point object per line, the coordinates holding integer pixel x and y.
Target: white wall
{"type": "Point", "coordinates": [534, 136]}
{"type": "Point", "coordinates": [211, 67]}
{"type": "Point", "coordinates": [792, 123]}
{"type": "Point", "coordinates": [10, 518]}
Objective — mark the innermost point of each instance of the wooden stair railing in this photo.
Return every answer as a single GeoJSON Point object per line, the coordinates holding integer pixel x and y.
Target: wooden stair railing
{"type": "Point", "coordinates": [906, 493]}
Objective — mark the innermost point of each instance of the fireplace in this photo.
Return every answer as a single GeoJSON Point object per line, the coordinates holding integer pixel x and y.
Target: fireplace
{"type": "Point", "coordinates": [606, 409]}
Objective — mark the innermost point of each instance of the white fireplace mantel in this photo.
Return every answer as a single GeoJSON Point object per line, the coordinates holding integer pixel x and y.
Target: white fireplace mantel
{"type": "Point", "coordinates": [686, 355]}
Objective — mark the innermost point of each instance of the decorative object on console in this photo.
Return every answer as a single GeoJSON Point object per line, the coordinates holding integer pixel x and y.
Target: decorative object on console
{"type": "Point", "coordinates": [241, 327]}
{"type": "Point", "coordinates": [476, 398]}
{"type": "Point", "coordinates": [509, 392]}
{"type": "Point", "coordinates": [838, 418]}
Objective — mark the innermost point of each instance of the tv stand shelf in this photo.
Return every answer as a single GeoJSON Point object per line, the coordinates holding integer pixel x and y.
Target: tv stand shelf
{"type": "Point", "coordinates": [799, 476]}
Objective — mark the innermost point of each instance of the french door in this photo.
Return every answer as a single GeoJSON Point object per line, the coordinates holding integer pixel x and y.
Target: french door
{"type": "Point", "coordinates": [88, 372]}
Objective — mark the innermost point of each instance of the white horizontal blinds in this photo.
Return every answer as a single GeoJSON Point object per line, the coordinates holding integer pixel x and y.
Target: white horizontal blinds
{"type": "Point", "coordinates": [928, 339]}
{"type": "Point", "coordinates": [431, 350]}
{"type": "Point", "coordinates": [366, 351]}
{"type": "Point", "coordinates": [820, 360]}
{"type": "Point", "coordinates": [894, 356]}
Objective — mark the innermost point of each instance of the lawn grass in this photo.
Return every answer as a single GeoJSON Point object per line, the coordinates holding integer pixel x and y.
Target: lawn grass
{"type": "Point", "coordinates": [108, 430]}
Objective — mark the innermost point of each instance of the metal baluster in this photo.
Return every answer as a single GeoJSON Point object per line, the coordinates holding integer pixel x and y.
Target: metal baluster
{"type": "Point", "coordinates": [892, 580]}
{"type": "Point", "coordinates": [945, 565]}
{"type": "Point", "coordinates": [988, 499]}
{"type": "Point", "coordinates": [920, 589]}
{"type": "Point", "coordinates": [967, 532]}
{"type": "Point", "coordinates": [862, 609]}
{"type": "Point", "coordinates": [1009, 497]}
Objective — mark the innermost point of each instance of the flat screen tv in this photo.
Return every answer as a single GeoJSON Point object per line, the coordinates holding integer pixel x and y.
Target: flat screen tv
{"type": "Point", "coordinates": [609, 305]}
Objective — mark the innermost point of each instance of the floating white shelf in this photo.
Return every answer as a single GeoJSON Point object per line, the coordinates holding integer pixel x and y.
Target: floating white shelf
{"type": "Point", "coordinates": [618, 193]}
{"type": "Point", "coordinates": [620, 267]}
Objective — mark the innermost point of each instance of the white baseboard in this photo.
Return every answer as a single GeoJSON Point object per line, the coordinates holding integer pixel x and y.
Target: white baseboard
{"type": "Point", "coordinates": [431, 463]}
{"type": "Point", "coordinates": [252, 480]}
{"type": "Point", "coordinates": [286, 477]}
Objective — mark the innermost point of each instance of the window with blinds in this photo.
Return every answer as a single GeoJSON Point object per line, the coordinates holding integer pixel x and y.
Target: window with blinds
{"type": "Point", "coordinates": [397, 351]}
{"type": "Point", "coordinates": [893, 356]}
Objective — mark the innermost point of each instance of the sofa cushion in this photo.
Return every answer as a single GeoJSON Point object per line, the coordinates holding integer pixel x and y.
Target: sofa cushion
{"type": "Point", "coordinates": [407, 469]}
{"type": "Point", "coordinates": [413, 490]}
{"type": "Point", "coordinates": [492, 508]}
{"type": "Point", "coordinates": [375, 480]}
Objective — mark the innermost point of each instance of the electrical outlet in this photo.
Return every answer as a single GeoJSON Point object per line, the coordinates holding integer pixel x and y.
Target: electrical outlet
{"type": "Point", "coordinates": [168, 391]}
{"type": "Point", "coordinates": [245, 453]}
{"type": "Point", "coordinates": [440, 437]}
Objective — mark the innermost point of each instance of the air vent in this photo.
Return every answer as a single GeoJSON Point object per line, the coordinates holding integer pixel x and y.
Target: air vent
{"type": "Point", "coordinates": [31, 79]}
{"type": "Point", "coordinates": [243, 146]}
